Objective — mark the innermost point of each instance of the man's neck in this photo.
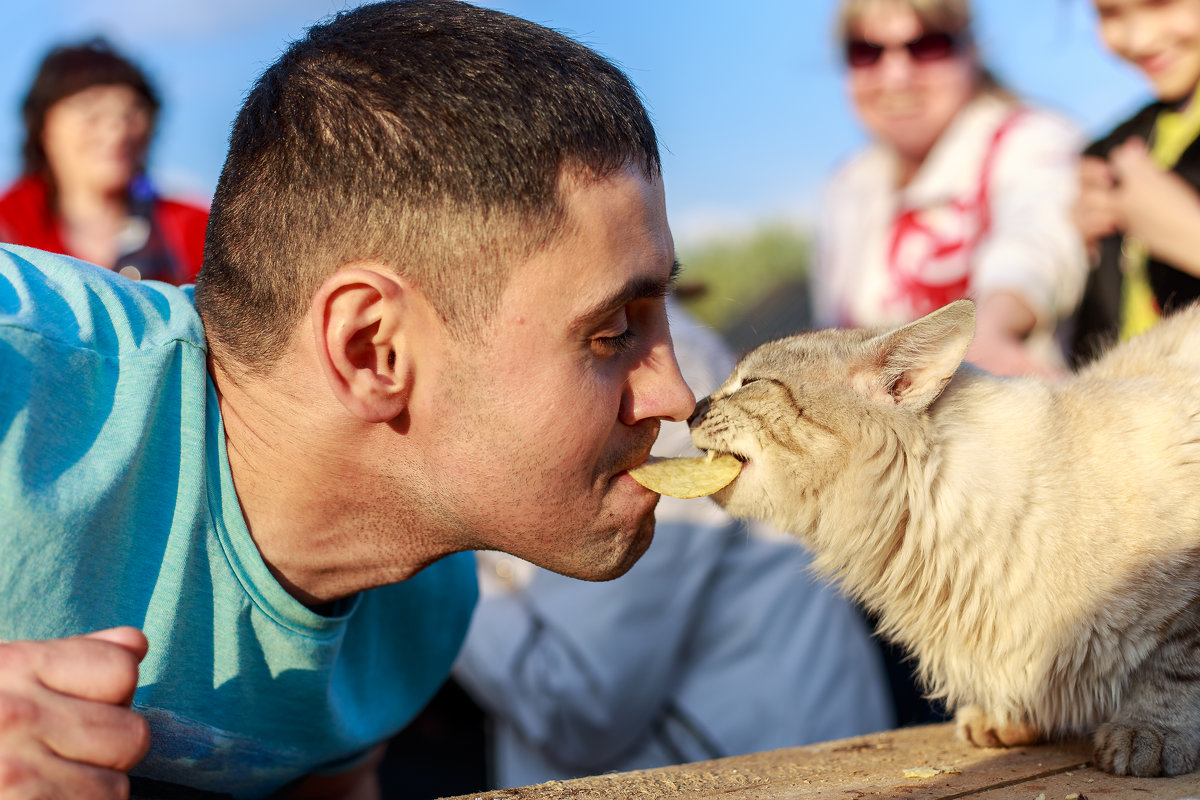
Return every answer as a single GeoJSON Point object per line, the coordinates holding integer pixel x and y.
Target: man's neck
{"type": "Point", "coordinates": [325, 525]}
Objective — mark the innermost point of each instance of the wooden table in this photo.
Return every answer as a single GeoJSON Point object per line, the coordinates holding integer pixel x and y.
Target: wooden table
{"type": "Point", "coordinates": [922, 763]}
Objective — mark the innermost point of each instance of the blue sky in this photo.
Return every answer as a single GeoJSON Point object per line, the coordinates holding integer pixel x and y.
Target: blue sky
{"type": "Point", "coordinates": [749, 104]}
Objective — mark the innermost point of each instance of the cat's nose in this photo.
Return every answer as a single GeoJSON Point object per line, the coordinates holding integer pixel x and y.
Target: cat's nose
{"type": "Point", "coordinates": [701, 409]}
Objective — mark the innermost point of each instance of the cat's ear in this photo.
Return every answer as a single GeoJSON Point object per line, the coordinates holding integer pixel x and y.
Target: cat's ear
{"type": "Point", "coordinates": [910, 366]}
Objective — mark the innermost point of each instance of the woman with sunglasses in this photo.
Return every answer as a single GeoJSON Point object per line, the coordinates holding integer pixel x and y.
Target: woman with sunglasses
{"type": "Point", "coordinates": [1139, 199]}
{"type": "Point", "coordinates": [964, 191]}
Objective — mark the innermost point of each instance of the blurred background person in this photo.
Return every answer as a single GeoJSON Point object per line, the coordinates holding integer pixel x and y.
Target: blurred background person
{"type": "Point", "coordinates": [718, 642]}
{"type": "Point", "coordinates": [964, 192]}
{"type": "Point", "coordinates": [89, 119]}
{"type": "Point", "coordinates": [1139, 205]}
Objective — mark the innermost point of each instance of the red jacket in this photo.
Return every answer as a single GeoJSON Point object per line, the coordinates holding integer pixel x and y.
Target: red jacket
{"type": "Point", "coordinates": [26, 219]}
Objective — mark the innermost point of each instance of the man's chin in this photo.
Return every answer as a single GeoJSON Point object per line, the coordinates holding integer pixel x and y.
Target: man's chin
{"type": "Point", "coordinates": [606, 554]}
{"type": "Point", "coordinates": [624, 554]}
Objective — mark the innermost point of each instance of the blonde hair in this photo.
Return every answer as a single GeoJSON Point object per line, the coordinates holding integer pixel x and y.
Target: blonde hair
{"type": "Point", "coordinates": [946, 16]}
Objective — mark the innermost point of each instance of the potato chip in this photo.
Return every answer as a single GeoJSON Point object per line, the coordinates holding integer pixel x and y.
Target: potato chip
{"type": "Point", "coordinates": [687, 477]}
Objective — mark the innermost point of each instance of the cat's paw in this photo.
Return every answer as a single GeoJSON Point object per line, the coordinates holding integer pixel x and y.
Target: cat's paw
{"type": "Point", "coordinates": [1125, 748]}
{"type": "Point", "coordinates": [975, 726]}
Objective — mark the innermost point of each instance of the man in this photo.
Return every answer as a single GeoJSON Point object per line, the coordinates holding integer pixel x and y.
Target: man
{"type": "Point", "coordinates": [431, 319]}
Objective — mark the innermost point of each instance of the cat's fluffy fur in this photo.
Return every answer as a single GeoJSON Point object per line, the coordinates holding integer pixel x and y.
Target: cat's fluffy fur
{"type": "Point", "coordinates": [1035, 545]}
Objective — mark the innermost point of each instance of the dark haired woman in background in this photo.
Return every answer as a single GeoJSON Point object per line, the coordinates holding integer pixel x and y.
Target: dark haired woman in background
{"type": "Point", "coordinates": [89, 117]}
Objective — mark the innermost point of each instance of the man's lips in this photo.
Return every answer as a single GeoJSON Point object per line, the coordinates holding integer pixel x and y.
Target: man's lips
{"type": "Point", "coordinates": [636, 463]}
{"type": "Point", "coordinates": [636, 456]}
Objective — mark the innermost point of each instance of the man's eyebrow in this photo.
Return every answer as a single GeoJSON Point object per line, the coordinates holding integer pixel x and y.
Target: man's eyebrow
{"type": "Point", "coordinates": [640, 288]}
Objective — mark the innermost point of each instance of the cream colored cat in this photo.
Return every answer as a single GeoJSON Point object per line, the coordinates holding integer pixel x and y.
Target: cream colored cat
{"type": "Point", "coordinates": [1036, 546]}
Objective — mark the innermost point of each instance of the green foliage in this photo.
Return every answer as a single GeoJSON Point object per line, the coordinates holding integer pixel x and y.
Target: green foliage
{"type": "Point", "coordinates": [723, 279]}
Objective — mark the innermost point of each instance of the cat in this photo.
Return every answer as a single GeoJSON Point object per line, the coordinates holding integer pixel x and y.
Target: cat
{"type": "Point", "coordinates": [1034, 544]}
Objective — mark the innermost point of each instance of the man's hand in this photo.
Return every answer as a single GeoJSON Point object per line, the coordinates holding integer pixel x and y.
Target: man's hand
{"type": "Point", "coordinates": [66, 729]}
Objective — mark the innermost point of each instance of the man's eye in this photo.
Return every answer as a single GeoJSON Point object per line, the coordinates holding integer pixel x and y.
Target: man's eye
{"type": "Point", "coordinates": [614, 345]}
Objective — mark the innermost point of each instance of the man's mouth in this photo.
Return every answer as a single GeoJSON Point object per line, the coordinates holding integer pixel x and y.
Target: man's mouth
{"type": "Point", "coordinates": [637, 457]}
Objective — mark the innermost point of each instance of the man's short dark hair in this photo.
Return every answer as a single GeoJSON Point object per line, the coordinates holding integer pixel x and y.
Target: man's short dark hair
{"type": "Point", "coordinates": [428, 135]}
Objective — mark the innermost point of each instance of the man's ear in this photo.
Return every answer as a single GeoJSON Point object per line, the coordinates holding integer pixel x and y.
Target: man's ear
{"type": "Point", "coordinates": [358, 316]}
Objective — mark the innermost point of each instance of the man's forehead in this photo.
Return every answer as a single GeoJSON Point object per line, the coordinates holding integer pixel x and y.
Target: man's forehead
{"type": "Point", "coordinates": [614, 247]}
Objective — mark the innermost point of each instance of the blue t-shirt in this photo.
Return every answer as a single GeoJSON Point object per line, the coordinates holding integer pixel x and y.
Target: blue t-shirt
{"type": "Point", "coordinates": [117, 507]}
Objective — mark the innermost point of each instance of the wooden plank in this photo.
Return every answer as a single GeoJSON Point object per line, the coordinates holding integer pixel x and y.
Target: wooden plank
{"type": "Point", "coordinates": [923, 763]}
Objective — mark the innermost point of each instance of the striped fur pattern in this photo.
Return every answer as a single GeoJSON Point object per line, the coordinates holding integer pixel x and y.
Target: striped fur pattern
{"type": "Point", "coordinates": [1035, 545]}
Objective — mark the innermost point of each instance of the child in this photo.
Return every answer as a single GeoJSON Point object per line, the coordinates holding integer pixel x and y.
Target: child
{"type": "Point", "coordinates": [1139, 201]}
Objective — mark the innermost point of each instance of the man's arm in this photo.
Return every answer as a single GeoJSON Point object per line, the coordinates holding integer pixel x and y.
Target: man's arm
{"type": "Point", "coordinates": [66, 729]}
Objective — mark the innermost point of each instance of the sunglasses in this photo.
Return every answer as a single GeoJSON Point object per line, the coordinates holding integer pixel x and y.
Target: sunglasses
{"type": "Point", "coordinates": [936, 46]}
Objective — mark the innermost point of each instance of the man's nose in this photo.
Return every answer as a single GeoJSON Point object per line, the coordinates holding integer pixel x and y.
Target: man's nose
{"type": "Point", "coordinates": [657, 390]}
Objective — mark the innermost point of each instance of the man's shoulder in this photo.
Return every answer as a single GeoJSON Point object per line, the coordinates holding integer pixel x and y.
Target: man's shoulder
{"type": "Point", "coordinates": [75, 304]}
{"type": "Point", "coordinates": [103, 431]}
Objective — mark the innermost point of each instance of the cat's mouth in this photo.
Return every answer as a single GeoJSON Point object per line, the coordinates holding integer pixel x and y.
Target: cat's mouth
{"type": "Point", "coordinates": [713, 453]}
